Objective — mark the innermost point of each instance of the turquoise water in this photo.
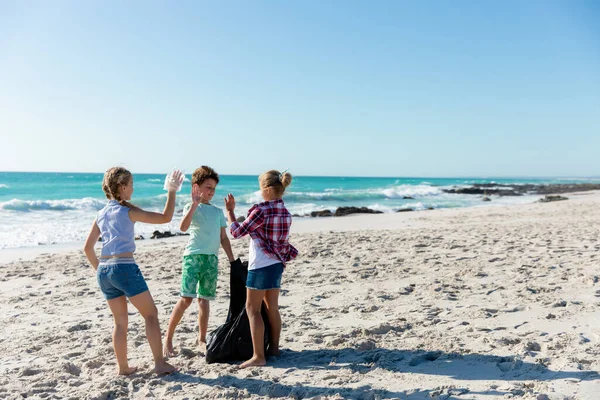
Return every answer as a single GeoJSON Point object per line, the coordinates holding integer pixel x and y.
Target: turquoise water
{"type": "Point", "coordinates": [46, 208]}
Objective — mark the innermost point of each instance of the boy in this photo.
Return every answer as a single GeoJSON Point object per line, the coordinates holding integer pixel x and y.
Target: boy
{"type": "Point", "coordinates": [200, 263]}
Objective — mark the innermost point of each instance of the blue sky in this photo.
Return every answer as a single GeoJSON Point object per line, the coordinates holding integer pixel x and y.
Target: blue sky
{"type": "Point", "coordinates": [384, 88]}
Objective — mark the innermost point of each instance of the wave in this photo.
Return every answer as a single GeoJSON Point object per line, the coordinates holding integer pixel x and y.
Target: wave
{"type": "Point", "coordinates": [345, 196]}
{"type": "Point", "coordinates": [412, 191]}
{"type": "Point", "coordinates": [253, 198]}
{"type": "Point", "coordinates": [87, 203]}
{"type": "Point", "coordinates": [161, 180]}
{"type": "Point", "coordinates": [154, 203]}
{"type": "Point", "coordinates": [3, 186]}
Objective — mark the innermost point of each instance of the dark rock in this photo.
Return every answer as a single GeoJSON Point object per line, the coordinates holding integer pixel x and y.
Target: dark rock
{"type": "Point", "coordinates": [519, 190]}
{"type": "Point", "coordinates": [477, 190]}
{"type": "Point", "coordinates": [408, 198]}
{"type": "Point", "coordinates": [430, 208]}
{"type": "Point", "coordinates": [160, 235]}
{"type": "Point", "coordinates": [99, 238]}
{"type": "Point", "coordinates": [241, 218]}
{"type": "Point", "coordinates": [485, 198]}
{"type": "Point", "coordinates": [567, 188]}
{"type": "Point", "coordinates": [548, 199]}
{"type": "Point", "coordinates": [405, 210]}
{"type": "Point", "coordinates": [324, 213]}
{"type": "Point", "coordinates": [342, 211]}
{"type": "Point", "coordinates": [139, 237]}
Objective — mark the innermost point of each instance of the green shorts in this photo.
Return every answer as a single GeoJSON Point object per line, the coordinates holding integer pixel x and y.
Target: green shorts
{"type": "Point", "coordinates": [199, 276]}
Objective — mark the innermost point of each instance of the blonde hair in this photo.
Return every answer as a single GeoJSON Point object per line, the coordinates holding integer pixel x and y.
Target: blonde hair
{"type": "Point", "coordinates": [113, 178]}
{"type": "Point", "coordinates": [276, 180]}
{"type": "Point", "coordinates": [203, 173]}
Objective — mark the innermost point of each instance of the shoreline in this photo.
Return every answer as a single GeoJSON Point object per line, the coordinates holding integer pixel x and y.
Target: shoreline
{"type": "Point", "coordinates": [303, 224]}
{"type": "Point", "coordinates": [54, 224]}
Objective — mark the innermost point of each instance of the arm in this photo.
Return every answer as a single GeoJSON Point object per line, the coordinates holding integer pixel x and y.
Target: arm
{"type": "Point", "coordinates": [231, 217]}
{"type": "Point", "coordinates": [187, 218]}
{"type": "Point", "coordinates": [149, 217]}
{"type": "Point", "coordinates": [139, 215]}
{"type": "Point", "coordinates": [254, 220]}
{"type": "Point", "coordinates": [226, 244]}
{"type": "Point", "coordinates": [229, 208]}
{"type": "Point", "coordinates": [197, 197]}
{"type": "Point", "coordinates": [88, 249]}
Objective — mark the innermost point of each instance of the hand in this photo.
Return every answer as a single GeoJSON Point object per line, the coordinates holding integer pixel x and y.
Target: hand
{"type": "Point", "coordinates": [230, 202]}
{"type": "Point", "coordinates": [197, 195]}
{"type": "Point", "coordinates": [174, 180]}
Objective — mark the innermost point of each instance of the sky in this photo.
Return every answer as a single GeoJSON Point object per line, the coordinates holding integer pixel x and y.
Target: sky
{"type": "Point", "coordinates": [340, 88]}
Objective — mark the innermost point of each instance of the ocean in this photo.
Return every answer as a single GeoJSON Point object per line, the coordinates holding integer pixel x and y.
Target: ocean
{"type": "Point", "coordinates": [38, 209]}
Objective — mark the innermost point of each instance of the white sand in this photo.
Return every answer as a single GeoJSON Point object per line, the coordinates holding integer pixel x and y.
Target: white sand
{"type": "Point", "coordinates": [480, 303]}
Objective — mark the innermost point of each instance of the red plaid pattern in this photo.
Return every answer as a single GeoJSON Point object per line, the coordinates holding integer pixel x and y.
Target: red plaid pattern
{"type": "Point", "coordinates": [268, 224]}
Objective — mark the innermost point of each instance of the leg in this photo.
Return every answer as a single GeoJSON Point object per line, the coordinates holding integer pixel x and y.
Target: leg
{"type": "Point", "coordinates": [207, 290]}
{"type": "Point", "coordinates": [272, 302]}
{"type": "Point", "coordinates": [118, 307]}
{"type": "Point", "coordinates": [203, 312]}
{"type": "Point", "coordinates": [257, 327]}
{"type": "Point", "coordinates": [145, 305]}
{"type": "Point", "coordinates": [176, 315]}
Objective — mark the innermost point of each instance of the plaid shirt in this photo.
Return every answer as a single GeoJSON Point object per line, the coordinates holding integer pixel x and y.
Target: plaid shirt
{"type": "Point", "coordinates": [268, 224]}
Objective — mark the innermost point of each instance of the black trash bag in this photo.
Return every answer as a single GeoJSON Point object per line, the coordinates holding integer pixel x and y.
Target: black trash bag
{"type": "Point", "coordinates": [232, 341]}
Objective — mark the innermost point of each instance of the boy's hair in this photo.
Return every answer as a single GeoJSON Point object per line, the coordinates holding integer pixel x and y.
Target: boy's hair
{"type": "Point", "coordinates": [276, 180]}
{"type": "Point", "coordinates": [203, 173]}
{"type": "Point", "coordinates": [113, 178]}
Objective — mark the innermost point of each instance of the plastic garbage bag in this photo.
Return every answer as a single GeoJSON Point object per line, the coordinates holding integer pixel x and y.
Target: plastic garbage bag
{"type": "Point", "coordinates": [232, 341]}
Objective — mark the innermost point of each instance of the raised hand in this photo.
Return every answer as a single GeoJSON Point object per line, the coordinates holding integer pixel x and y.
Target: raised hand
{"type": "Point", "coordinates": [230, 202]}
{"type": "Point", "coordinates": [173, 181]}
{"type": "Point", "coordinates": [197, 195]}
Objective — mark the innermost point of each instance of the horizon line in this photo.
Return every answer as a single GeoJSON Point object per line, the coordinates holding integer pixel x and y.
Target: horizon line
{"type": "Point", "coordinates": [352, 176]}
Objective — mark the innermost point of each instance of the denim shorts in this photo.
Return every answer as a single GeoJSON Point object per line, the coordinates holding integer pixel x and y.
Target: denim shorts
{"type": "Point", "coordinates": [265, 278]}
{"type": "Point", "coordinates": [121, 277]}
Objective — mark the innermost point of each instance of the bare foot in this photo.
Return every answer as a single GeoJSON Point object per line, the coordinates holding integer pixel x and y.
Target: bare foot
{"type": "Point", "coordinates": [168, 349]}
{"type": "Point", "coordinates": [127, 371]}
{"type": "Point", "coordinates": [202, 348]}
{"type": "Point", "coordinates": [164, 368]}
{"type": "Point", "coordinates": [254, 362]}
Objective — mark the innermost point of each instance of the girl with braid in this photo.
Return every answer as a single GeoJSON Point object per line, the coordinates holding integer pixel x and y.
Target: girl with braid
{"type": "Point", "coordinates": [118, 275]}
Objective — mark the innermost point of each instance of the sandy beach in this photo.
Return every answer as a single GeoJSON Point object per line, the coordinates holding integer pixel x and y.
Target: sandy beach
{"type": "Point", "coordinates": [472, 303]}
